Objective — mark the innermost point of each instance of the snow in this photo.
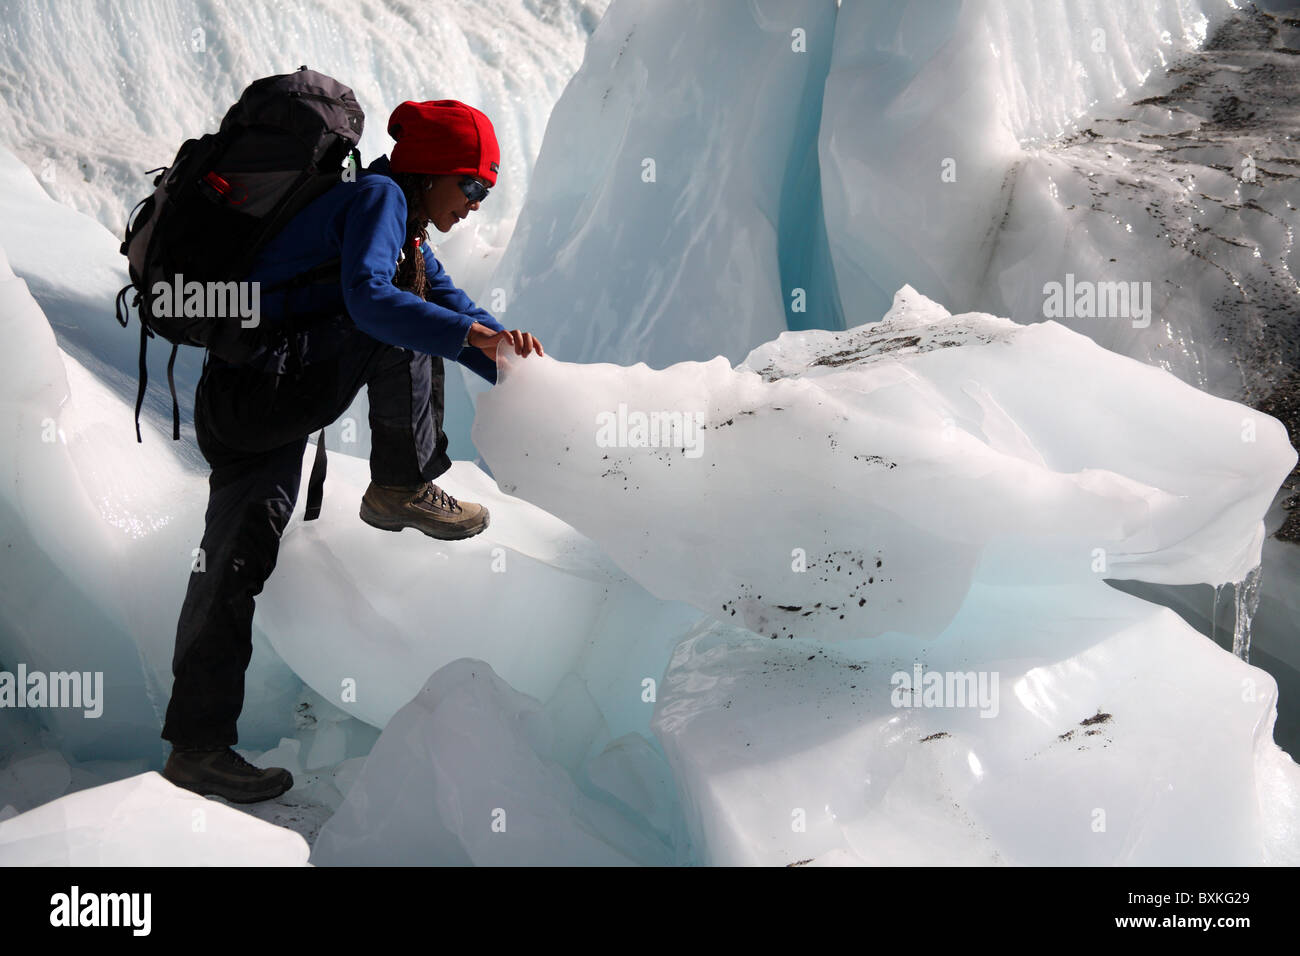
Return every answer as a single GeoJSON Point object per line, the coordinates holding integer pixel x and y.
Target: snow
{"type": "Point", "coordinates": [93, 102]}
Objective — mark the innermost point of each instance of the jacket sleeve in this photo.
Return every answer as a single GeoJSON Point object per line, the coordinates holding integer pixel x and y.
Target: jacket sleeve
{"type": "Point", "coordinates": [444, 292]}
{"type": "Point", "coordinates": [372, 232]}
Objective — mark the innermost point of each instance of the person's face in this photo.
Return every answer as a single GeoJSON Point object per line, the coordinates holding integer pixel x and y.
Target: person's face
{"type": "Point", "coordinates": [445, 203]}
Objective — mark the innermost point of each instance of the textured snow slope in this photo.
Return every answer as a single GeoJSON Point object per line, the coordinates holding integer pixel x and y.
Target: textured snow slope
{"type": "Point", "coordinates": [93, 95]}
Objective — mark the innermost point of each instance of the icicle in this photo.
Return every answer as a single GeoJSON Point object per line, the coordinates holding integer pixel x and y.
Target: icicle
{"type": "Point", "coordinates": [1247, 602]}
{"type": "Point", "coordinates": [1214, 612]}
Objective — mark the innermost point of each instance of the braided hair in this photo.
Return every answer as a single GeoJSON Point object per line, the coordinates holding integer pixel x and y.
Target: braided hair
{"type": "Point", "coordinates": [410, 271]}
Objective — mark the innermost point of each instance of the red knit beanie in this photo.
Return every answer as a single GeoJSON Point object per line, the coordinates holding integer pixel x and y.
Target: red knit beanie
{"type": "Point", "coordinates": [443, 137]}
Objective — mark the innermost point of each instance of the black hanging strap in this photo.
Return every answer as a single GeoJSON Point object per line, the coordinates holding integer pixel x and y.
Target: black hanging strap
{"type": "Point", "coordinates": [144, 380]}
{"type": "Point", "coordinates": [316, 484]}
{"type": "Point", "coordinates": [120, 308]}
{"type": "Point", "coordinates": [176, 408]}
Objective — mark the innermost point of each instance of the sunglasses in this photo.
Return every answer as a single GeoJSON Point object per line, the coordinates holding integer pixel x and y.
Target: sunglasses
{"type": "Point", "coordinates": [474, 190]}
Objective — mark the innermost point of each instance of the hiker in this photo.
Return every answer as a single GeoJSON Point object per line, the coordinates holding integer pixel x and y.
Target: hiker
{"type": "Point", "coordinates": [371, 326]}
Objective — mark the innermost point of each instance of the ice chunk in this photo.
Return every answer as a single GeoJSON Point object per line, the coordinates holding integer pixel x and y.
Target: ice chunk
{"type": "Point", "coordinates": [466, 773]}
{"type": "Point", "coordinates": [144, 821]}
{"type": "Point", "coordinates": [360, 613]}
{"type": "Point", "coordinates": [839, 485]}
{"type": "Point", "coordinates": [1108, 732]}
{"type": "Point", "coordinates": [104, 534]}
{"type": "Point", "coordinates": [75, 503]}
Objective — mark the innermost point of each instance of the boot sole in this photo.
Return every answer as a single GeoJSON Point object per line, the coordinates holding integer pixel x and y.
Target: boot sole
{"type": "Point", "coordinates": [442, 534]}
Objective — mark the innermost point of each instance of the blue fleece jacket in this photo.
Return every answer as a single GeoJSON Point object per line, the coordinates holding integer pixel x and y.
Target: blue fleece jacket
{"type": "Point", "coordinates": [364, 223]}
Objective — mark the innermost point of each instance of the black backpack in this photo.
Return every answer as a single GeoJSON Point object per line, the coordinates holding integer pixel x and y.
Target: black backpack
{"type": "Point", "coordinates": [225, 195]}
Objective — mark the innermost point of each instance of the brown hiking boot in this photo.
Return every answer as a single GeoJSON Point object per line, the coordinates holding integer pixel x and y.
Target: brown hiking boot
{"type": "Point", "coordinates": [223, 773]}
{"type": "Point", "coordinates": [425, 507]}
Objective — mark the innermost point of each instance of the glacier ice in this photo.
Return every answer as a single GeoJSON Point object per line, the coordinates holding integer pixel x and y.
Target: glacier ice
{"type": "Point", "coordinates": [812, 161]}
{"type": "Point", "coordinates": [697, 193]}
{"type": "Point", "coordinates": [1120, 737]}
{"type": "Point", "coordinates": [1027, 466]}
{"type": "Point", "coordinates": [912, 95]}
{"type": "Point", "coordinates": [364, 617]}
{"type": "Point", "coordinates": [840, 485]}
{"type": "Point", "coordinates": [144, 821]}
{"type": "Point", "coordinates": [466, 773]}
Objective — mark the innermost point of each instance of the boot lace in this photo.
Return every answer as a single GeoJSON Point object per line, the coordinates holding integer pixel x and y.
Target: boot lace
{"type": "Point", "coordinates": [233, 758]}
{"type": "Point", "coordinates": [437, 497]}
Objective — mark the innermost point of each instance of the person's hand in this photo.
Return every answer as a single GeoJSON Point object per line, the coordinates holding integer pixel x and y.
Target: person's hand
{"type": "Point", "coordinates": [488, 341]}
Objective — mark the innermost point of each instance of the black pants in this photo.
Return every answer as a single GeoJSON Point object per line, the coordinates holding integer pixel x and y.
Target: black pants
{"type": "Point", "coordinates": [252, 427]}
